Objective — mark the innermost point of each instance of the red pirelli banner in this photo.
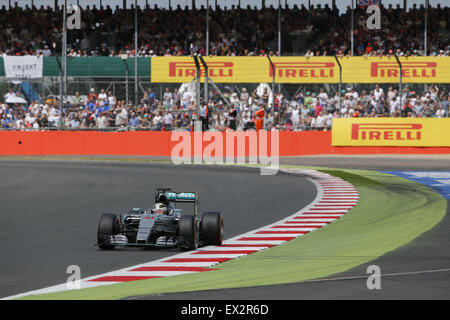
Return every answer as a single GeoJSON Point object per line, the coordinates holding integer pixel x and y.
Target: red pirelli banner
{"type": "Point", "coordinates": [304, 70]}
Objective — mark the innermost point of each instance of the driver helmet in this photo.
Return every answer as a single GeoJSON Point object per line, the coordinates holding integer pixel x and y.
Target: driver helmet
{"type": "Point", "coordinates": [159, 208]}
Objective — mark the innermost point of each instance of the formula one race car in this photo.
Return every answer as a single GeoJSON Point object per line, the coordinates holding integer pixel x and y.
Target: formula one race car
{"type": "Point", "coordinates": [162, 226]}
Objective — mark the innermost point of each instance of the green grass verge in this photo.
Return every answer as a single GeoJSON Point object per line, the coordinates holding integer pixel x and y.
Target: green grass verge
{"type": "Point", "coordinates": [392, 211]}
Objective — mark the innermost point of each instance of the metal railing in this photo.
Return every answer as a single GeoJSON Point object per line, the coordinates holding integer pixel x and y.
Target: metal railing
{"type": "Point", "coordinates": [49, 87]}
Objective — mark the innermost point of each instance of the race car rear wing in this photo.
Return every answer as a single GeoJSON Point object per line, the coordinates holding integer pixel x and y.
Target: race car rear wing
{"type": "Point", "coordinates": [186, 197]}
{"type": "Point", "coordinates": [181, 196]}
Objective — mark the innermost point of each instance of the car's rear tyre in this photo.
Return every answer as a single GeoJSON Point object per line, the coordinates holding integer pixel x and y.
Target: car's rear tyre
{"type": "Point", "coordinates": [107, 227]}
{"type": "Point", "coordinates": [188, 232]}
{"type": "Point", "coordinates": [212, 228]}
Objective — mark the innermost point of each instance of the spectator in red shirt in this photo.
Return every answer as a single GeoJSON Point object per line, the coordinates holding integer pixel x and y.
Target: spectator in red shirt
{"type": "Point", "coordinates": [406, 108]}
{"type": "Point", "coordinates": [318, 109]}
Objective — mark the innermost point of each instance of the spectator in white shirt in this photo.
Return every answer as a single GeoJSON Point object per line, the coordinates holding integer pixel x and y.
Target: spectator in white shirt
{"type": "Point", "coordinates": [101, 121]}
{"type": "Point", "coordinates": [244, 96]}
{"type": "Point", "coordinates": [440, 112]}
{"type": "Point", "coordinates": [378, 92]}
{"type": "Point", "coordinates": [157, 120]}
{"type": "Point", "coordinates": [391, 93]}
{"type": "Point", "coordinates": [167, 97]}
{"type": "Point", "coordinates": [295, 116]}
{"type": "Point", "coordinates": [111, 99]}
{"type": "Point", "coordinates": [74, 123]}
{"type": "Point", "coordinates": [167, 120]}
{"type": "Point", "coordinates": [323, 98]}
{"type": "Point", "coordinates": [122, 118]}
{"type": "Point", "coordinates": [319, 122]}
{"type": "Point", "coordinates": [186, 99]}
{"type": "Point", "coordinates": [102, 97]}
{"type": "Point", "coordinates": [394, 106]}
{"type": "Point", "coordinates": [46, 52]}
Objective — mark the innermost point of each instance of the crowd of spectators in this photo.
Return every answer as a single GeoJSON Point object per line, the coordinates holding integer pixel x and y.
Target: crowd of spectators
{"type": "Point", "coordinates": [308, 110]}
{"type": "Point", "coordinates": [401, 32]}
{"type": "Point", "coordinates": [233, 31]}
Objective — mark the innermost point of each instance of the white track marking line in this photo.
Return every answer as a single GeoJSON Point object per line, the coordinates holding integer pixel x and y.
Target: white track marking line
{"type": "Point", "coordinates": [330, 209]}
{"type": "Point", "coordinates": [244, 242]}
{"type": "Point", "coordinates": [183, 264]}
{"type": "Point", "coordinates": [303, 228]}
{"type": "Point", "coordinates": [299, 223]}
{"type": "Point", "coordinates": [242, 247]}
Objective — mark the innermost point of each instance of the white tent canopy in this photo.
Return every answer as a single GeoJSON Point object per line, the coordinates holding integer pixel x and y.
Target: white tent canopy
{"type": "Point", "coordinates": [15, 99]}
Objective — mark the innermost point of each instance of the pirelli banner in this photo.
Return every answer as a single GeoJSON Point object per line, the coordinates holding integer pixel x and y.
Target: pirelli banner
{"type": "Point", "coordinates": [303, 70]}
{"type": "Point", "coordinates": [398, 132]}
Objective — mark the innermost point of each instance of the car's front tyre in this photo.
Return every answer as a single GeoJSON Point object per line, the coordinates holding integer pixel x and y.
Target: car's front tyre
{"type": "Point", "coordinates": [108, 226]}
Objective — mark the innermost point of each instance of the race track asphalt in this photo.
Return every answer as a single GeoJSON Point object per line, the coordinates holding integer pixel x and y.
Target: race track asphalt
{"type": "Point", "coordinates": [49, 211]}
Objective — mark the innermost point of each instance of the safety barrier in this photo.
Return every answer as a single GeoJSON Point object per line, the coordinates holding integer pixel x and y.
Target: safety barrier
{"type": "Point", "coordinates": [159, 143]}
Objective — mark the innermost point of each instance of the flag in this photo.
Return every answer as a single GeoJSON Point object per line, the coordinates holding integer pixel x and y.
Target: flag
{"type": "Point", "coordinates": [23, 67]}
{"type": "Point", "coordinates": [365, 3]}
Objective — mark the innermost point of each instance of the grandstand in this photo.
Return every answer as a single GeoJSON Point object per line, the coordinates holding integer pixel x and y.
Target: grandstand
{"type": "Point", "coordinates": [313, 27]}
{"type": "Point", "coordinates": [108, 85]}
